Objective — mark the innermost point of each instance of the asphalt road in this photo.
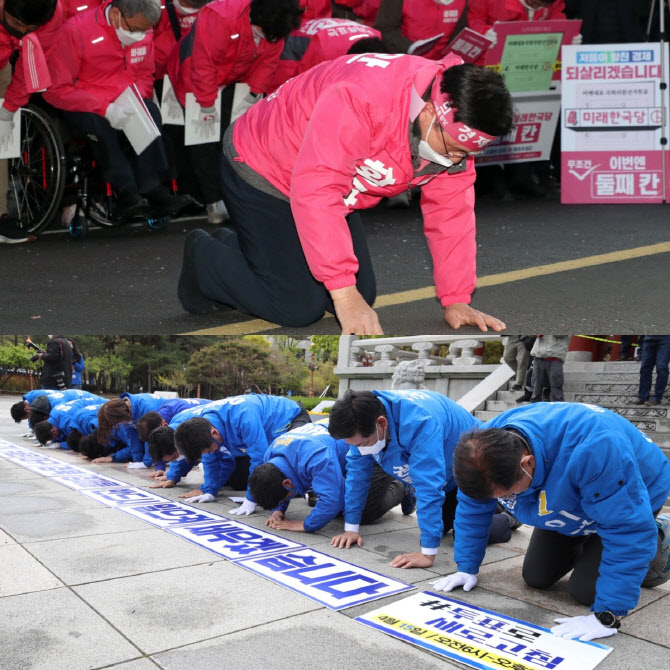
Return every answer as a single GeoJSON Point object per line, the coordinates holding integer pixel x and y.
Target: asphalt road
{"type": "Point", "coordinates": [124, 280]}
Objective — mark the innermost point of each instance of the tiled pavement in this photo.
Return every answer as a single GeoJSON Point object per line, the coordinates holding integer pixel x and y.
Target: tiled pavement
{"type": "Point", "coordinates": [83, 586]}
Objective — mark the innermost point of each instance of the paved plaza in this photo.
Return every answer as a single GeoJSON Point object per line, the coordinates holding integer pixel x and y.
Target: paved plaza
{"type": "Point", "coordinates": [84, 586]}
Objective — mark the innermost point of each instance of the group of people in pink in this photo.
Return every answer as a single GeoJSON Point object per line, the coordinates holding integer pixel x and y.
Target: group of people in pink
{"type": "Point", "coordinates": [341, 113]}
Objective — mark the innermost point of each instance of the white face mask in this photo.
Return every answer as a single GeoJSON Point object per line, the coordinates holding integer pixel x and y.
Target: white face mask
{"type": "Point", "coordinates": [428, 153]}
{"type": "Point", "coordinates": [126, 37]}
{"type": "Point", "coordinates": [375, 448]}
{"type": "Point", "coordinates": [184, 10]}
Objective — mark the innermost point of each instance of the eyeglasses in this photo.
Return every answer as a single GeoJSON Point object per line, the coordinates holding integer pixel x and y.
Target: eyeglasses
{"type": "Point", "coordinates": [460, 155]}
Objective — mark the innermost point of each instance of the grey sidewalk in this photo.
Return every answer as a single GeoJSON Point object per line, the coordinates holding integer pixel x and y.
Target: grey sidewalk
{"type": "Point", "coordinates": [83, 586]}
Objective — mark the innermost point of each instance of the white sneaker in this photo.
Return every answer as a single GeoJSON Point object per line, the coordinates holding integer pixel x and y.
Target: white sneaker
{"type": "Point", "coordinates": [217, 212]}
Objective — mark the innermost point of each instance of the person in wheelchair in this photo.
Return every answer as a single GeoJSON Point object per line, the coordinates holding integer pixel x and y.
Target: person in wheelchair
{"type": "Point", "coordinates": [27, 32]}
{"type": "Point", "coordinates": [101, 53]}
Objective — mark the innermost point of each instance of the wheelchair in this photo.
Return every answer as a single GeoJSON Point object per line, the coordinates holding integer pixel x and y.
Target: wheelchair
{"type": "Point", "coordinates": [57, 170]}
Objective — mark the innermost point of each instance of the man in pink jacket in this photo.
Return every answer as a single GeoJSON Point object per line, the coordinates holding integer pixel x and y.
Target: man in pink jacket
{"type": "Point", "coordinates": [232, 40]}
{"type": "Point", "coordinates": [101, 52]}
{"type": "Point", "coordinates": [300, 163]}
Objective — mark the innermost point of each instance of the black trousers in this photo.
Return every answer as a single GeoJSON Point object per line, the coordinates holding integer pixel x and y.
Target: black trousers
{"type": "Point", "coordinates": [547, 374]}
{"type": "Point", "coordinates": [143, 173]}
{"type": "Point", "coordinates": [551, 556]}
{"type": "Point", "coordinates": [261, 269]}
{"type": "Point", "coordinates": [239, 477]}
{"type": "Point", "coordinates": [500, 529]}
{"type": "Point", "coordinates": [386, 492]}
{"type": "Point", "coordinates": [302, 419]}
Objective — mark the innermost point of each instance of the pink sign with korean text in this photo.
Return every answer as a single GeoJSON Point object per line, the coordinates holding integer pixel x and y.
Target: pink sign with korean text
{"type": "Point", "coordinates": [469, 45]}
{"type": "Point", "coordinates": [612, 124]}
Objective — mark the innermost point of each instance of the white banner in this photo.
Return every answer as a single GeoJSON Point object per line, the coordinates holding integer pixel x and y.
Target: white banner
{"type": "Point", "coordinates": [90, 481]}
{"type": "Point", "coordinates": [122, 495]}
{"type": "Point", "coordinates": [166, 514]}
{"type": "Point", "coordinates": [234, 540]}
{"type": "Point", "coordinates": [327, 580]}
{"type": "Point", "coordinates": [480, 638]}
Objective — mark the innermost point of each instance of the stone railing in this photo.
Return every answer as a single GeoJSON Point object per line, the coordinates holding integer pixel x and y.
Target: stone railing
{"type": "Point", "coordinates": [372, 364]}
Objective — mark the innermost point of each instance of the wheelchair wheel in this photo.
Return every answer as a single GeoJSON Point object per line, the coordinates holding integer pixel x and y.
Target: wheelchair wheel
{"type": "Point", "coordinates": [78, 227]}
{"type": "Point", "coordinates": [37, 177]}
{"type": "Point", "coordinates": [158, 223]}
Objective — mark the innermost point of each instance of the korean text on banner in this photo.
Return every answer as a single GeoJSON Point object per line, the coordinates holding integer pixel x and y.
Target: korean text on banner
{"type": "Point", "coordinates": [480, 638]}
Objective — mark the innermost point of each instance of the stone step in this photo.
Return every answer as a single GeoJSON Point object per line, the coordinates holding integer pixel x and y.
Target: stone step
{"type": "Point", "coordinates": [617, 388]}
{"type": "Point", "coordinates": [607, 398]}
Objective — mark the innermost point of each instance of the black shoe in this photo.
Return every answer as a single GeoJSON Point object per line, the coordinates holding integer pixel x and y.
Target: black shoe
{"type": "Point", "coordinates": [312, 498]}
{"type": "Point", "coordinates": [12, 233]}
{"type": "Point", "coordinates": [514, 523]}
{"type": "Point", "coordinates": [193, 300]}
{"type": "Point", "coordinates": [653, 401]}
{"type": "Point", "coordinates": [130, 204]}
{"type": "Point", "coordinates": [525, 397]}
{"type": "Point", "coordinates": [638, 401]}
{"type": "Point", "coordinates": [516, 387]}
{"type": "Point", "coordinates": [164, 203]}
{"type": "Point", "coordinates": [408, 503]}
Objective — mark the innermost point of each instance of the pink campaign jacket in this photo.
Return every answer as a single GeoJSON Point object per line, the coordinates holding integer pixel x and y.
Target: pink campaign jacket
{"type": "Point", "coordinates": [220, 51]}
{"type": "Point", "coordinates": [91, 68]}
{"type": "Point", "coordinates": [73, 7]}
{"type": "Point", "coordinates": [336, 139]}
{"type": "Point", "coordinates": [19, 91]}
{"type": "Point", "coordinates": [482, 14]}
{"type": "Point", "coordinates": [316, 9]}
{"type": "Point", "coordinates": [422, 19]}
{"type": "Point", "coordinates": [164, 39]}
{"type": "Point", "coordinates": [364, 9]}
{"type": "Point", "coordinates": [328, 39]}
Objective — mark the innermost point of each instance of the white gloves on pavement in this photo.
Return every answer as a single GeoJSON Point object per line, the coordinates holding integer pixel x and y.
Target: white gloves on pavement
{"type": "Point", "coordinates": [136, 466]}
{"type": "Point", "coordinates": [490, 34]}
{"type": "Point", "coordinates": [206, 122]}
{"type": "Point", "coordinates": [118, 115]}
{"type": "Point", "coordinates": [245, 509]}
{"type": "Point", "coordinates": [6, 127]}
{"type": "Point", "coordinates": [583, 628]}
{"type": "Point", "coordinates": [205, 497]}
{"type": "Point", "coordinates": [450, 582]}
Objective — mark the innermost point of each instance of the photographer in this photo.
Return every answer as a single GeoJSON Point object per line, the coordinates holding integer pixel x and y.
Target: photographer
{"type": "Point", "coordinates": [57, 359]}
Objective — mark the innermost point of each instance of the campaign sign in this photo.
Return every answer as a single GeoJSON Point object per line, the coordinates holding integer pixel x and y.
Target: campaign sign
{"type": "Point", "coordinates": [91, 481]}
{"type": "Point", "coordinates": [21, 456]}
{"type": "Point", "coordinates": [166, 514]}
{"type": "Point", "coordinates": [122, 495]}
{"type": "Point", "coordinates": [613, 124]}
{"type": "Point", "coordinates": [469, 45]}
{"type": "Point", "coordinates": [234, 540]}
{"type": "Point", "coordinates": [327, 580]}
{"type": "Point", "coordinates": [480, 638]}
{"type": "Point", "coordinates": [54, 469]}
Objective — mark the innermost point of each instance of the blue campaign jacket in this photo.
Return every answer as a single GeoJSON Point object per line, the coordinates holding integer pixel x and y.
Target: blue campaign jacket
{"type": "Point", "coordinates": [141, 403]}
{"type": "Point", "coordinates": [424, 427]}
{"type": "Point", "coordinates": [63, 416]}
{"type": "Point", "coordinates": [595, 473]}
{"type": "Point", "coordinates": [77, 368]}
{"type": "Point", "coordinates": [170, 408]}
{"type": "Point", "coordinates": [85, 419]}
{"type": "Point", "coordinates": [58, 397]}
{"type": "Point", "coordinates": [134, 450]}
{"type": "Point", "coordinates": [312, 459]}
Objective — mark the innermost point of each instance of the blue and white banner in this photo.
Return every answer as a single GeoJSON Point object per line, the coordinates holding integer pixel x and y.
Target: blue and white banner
{"type": "Point", "coordinates": [167, 513]}
{"type": "Point", "coordinates": [480, 638]}
{"type": "Point", "coordinates": [234, 540]}
{"type": "Point", "coordinates": [327, 580]}
{"type": "Point", "coordinates": [90, 480]}
{"type": "Point", "coordinates": [122, 495]}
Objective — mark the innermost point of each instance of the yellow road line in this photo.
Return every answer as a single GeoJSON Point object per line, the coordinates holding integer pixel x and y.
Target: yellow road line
{"type": "Point", "coordinates": [403, 297]}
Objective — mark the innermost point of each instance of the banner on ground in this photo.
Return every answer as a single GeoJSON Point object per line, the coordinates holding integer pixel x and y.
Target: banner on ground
{"type": "Point", "coordinates": [613, 124]}
{"type": "Point", "coordinates": [480, 638]}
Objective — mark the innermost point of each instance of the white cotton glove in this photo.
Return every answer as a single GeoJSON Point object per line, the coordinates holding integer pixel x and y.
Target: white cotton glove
{"type": "Point", "coordinates": [136, 466]}
{"type": "Point", "coordinates": [246, 102]}
{"type": "Point", "coordinates": [6, 128]}
{"type": "Point", "coordinates": [206, 122]}
{"type": "Point", "coordinates": [205, 497]}
{"type": "Point", "coordinates": [583, 628]}
{"type": "Point", "coordinates": [577, 39]}
{"type": "Point", "coordinates": [174, 109]}
{"type": "Point", "coordinates": [245, 509]}
{"type": "Point", "coordinates": [450, 582]}
{"type": "Point", "coordinates": [491, 34]}
{"type": "Point", "coordinates": [118, 115]}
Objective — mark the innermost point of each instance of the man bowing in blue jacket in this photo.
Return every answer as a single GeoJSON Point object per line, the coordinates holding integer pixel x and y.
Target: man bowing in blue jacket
{"type": "Point", "coordinates": [591, 484]}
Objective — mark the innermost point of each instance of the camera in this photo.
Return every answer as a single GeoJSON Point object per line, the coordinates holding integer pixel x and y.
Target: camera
{"type": "Point", "coordinates": [35, 357]}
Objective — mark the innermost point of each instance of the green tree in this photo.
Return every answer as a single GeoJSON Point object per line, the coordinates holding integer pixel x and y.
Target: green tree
{"type": "Point", "coordinates": [14, 358]}
{"type": "Point", "coordinates": [326, 347]}
{"type": "Point", "coordinates": [291, 371]}
{"type": "Point", "coordinates": [324, 377]}
{"type": "Point", "coordinates": [230, 367]}
{"type": "Point", "coordinates": [111, 371]}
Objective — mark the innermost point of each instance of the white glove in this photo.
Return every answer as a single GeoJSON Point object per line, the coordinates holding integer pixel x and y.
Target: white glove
{"type": "Point", "coordinates": [118, 115]}
{"type": "Point", "coordinates": [174, 109]}
{"type": "Point", "coordinates": [246, 102]}
{"type": "Point", "coordinates": [205, 497]}
{"type": "Point", "coordinates": [6, 128]}
{"type": "Point", "coordinates": [136, 466]}
{"type": "Point", "coordinates": [491, 34]}
{"type": "Point", "coordinates": [577, 39]}
{"type": "Point", "coordinates": [245, 509]}
{"type": "Point", "coordinates": [583, 628]}
{"type": "Point", "coordinates": [206, 122]}
{"type": "Point", "coordinates": [450, 582]}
